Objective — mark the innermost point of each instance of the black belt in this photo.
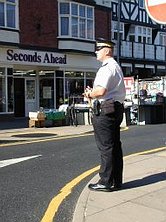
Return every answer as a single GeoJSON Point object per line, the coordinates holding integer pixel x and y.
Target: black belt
{"type": "Point", "coordinates": [115, 102]}
{"type": "Point", "coordinates": [118, 103]}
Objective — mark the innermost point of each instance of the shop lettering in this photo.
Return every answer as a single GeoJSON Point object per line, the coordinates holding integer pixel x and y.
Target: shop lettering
{"type": "Point", "coordinates": [49, 58]}
{"type": "Point", "coordinates": [35, 57]}
{"type": "Point", "coordinates": [11, 56]}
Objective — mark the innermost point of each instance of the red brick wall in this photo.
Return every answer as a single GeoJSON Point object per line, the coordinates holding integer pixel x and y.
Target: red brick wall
{"type": "Point", "coordinates": [103, 23]}
{"type": "Point", "coordinates": [38, 22]}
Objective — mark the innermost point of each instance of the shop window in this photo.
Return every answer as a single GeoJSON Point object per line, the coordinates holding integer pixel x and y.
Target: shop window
{"type": "Point", "coordinates": [10, 95]}
{"type": "Point", "coordinates": [47, 93]}
{"type": "Point", "coordinates": [8, 12]}
{"type": "Point", "coordinates": [76, 82]}
{"type": "Point", "coordinates": [126, 71]}
{"type": "Point", "coordinates": [90, 76]}
{"type": "Point", "coordinates": [76, 20]}
{"type": "Point", "coordinates": [59, 73]}
{"type": "Point", "coordinates": [30, 89]}
{"type": "Point", "coordinates": [6, 96]}
{"type": "Point", "coordinates": [60, 92]}
{"type": "Point", "coordinates": [10, 90]}
{"type": "Point", "coordinates": [74, 87]}
{"type": "Point", "coordinates": [74, 74]}
{"type": "Point", "coordinates": [60, 89]}
{"type": "Point", "coordinates": [2, 90]}
{"type": "Point", "coordinates": [89, 82]}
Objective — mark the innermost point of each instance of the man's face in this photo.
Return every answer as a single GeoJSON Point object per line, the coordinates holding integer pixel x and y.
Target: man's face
{"type": "Point", "coordinates": [101, 53]}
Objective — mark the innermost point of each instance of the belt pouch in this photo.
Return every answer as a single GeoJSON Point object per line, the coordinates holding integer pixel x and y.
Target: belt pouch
{"type": "Point", "coordinates": [96, 107]}
{"type": "Point", "coordinates": [107, 107]}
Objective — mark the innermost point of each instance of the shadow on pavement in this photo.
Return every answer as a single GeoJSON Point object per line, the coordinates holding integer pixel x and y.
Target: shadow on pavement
{"type": "Point", "coordinates": [155, 178]}
{"type": "Point", "coordinates": [31, 135]}
{"type": "Point", "coordinates": [16, 123]}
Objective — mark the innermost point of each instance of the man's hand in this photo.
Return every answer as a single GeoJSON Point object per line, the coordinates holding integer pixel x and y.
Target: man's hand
{"type": "Point", "coordinates": [87, 92]}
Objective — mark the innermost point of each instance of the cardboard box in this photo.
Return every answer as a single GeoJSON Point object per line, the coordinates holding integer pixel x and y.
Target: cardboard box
{"type": "Point", "coordinates": [37, 115]}
{"type": "Point", "coordinates": [36, 123]}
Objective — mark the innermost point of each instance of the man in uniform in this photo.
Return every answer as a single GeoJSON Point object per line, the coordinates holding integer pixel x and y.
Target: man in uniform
{"type": "Point", "coordinates": [108, 87]}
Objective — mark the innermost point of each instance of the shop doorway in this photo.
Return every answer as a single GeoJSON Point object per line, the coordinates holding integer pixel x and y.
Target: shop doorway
{"type": "Point", "coordinates": [19, 97]}
{"type": "Point", "coordinates": [30, 96]}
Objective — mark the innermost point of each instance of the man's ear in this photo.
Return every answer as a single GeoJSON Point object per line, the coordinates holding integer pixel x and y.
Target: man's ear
{"type": "Point", "coordinates": [108, 51]}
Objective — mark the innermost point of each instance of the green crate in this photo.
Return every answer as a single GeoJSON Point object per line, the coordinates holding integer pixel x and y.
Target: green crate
{"type": "Point", "coordinates": [55, 115]}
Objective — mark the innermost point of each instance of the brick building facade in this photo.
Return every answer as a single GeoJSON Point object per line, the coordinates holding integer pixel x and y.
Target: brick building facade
{"type": "Point", "coordinates": [47, 52]}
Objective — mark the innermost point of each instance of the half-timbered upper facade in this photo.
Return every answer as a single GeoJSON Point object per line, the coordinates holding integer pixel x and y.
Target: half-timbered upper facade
{"type": "Point", "coordinates": [141, 41]}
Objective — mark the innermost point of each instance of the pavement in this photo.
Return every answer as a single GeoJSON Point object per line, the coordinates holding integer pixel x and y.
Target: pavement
{"type": "Point", "coordinates": [142, 197]}
{"type": "Point", "coordinates": [33, 134]}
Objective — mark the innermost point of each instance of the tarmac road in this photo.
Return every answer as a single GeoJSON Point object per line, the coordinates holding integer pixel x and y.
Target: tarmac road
{"type": "Point", "coordinates": [135, 139]}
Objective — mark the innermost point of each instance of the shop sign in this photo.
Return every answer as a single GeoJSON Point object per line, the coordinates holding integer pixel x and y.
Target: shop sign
{"type": "Point", "coordinates": [35, 57]}
{"type": "Point", "coordinates": [156, 10]}
{"type": "Point", "coordinates": [129, 84]}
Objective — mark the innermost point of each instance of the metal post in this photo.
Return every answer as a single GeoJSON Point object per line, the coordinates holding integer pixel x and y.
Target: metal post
{"type": "Point", "coordinates": [138, 95]}
{"type": "Point", "coordinates": [118, 30]}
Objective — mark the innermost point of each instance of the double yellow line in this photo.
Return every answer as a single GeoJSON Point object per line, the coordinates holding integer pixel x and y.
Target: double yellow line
{"type": "Point", "coordinates": [64, 192]}
{"type": "Point", "coordinates": [67, 189]}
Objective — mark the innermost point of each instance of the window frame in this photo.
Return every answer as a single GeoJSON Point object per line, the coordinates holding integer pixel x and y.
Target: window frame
{"type": "Point", "coordinates": [115, 30]}
{"type": "Point", "coordinates": [162, 39]}
{"type": "Point", "coordinates": [83, 15]}
{"type": "Point", "coordinates": [144, 34]}
{"type": "Point", "coordinates": [140, 34]}
{"type": "Point", "coordinates": [6, 14]}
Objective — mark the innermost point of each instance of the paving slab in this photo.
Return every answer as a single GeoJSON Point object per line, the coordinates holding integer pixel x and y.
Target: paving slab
{"type": "Point", "coordinates": [143, 197]}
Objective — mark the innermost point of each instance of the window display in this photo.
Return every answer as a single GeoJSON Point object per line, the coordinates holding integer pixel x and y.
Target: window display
{"type": "Point", "coordinates": [47, 93]}
{"type": "Point", "coordinates": [2, 93]}
{"type": "Point", "coordinates": [75, 83]}
{"type": "Point", "coordinates": [146, 100]}
{"type": "Point", "coordinates": [6, 82]}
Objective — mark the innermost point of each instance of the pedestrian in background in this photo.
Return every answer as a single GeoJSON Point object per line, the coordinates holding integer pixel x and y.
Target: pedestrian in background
{"type": "Point", "coordinates": [108, 94]}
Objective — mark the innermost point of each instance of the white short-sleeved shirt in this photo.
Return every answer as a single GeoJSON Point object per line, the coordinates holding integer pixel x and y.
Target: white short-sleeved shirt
{"type": "Point", "coordinates": [110, 77]}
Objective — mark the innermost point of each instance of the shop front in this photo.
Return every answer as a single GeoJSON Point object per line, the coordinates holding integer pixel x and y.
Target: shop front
{"type": "Point", "coordinates": [152, 104]}
{"type": "Point", "coordinates": [33, 79]}
{"type": "Point", "coordinates": [146, 100]}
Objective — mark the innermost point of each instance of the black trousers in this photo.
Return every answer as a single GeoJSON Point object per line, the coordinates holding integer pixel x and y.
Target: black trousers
{"type": "Point", "coordinates": [107, 135]}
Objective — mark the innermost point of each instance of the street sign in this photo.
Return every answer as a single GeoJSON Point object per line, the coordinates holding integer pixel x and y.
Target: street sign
{"type": "Point", "coordinates": [156, 10]}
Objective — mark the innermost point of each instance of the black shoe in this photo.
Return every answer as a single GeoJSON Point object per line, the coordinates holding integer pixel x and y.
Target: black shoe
{"type": "Point", "coordinates": [99, 187]}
